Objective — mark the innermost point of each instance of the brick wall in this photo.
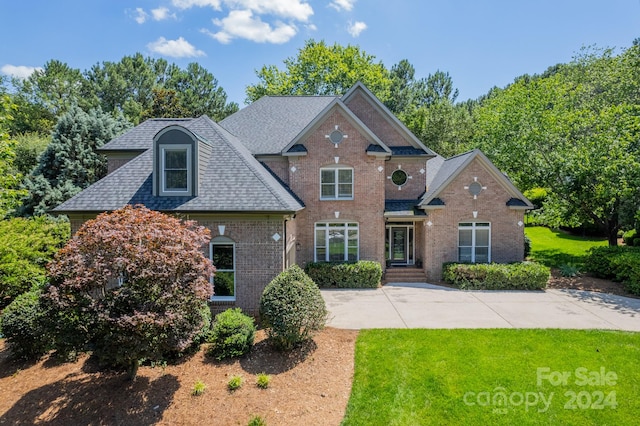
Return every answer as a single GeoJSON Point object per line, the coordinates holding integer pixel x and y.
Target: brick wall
{"type": "Point", "coordinates": [366, 208]}
{"type": "Point", "coordinates": [415, 169]}
{"type": "Point", "coordinates": [441, 238]}
{"type": "Point", "coordinates": [259, 258]}
{"type": "Point", "coordinates": [375, 121]}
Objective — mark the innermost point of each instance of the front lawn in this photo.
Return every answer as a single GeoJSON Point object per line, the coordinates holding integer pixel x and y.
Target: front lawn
{"type": "Point", "coordinates": [556, 248]}
{"type": "Point", "coordinates": [500, 376]}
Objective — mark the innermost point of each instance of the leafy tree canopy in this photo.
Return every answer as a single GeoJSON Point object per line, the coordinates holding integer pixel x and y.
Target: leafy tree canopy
{"type": "Point", "coordinates": [126, 87]}
{"type": "Point", "coordinates": [574, 131]}
{"type": "Point", "coordinates": [319, 69]}
{"type": "Point", "coordinates": [10, 192]}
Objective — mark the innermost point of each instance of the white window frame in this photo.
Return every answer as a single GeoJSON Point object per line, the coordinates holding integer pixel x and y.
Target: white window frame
{"type": "Point", "coordinates": [223, 241]}
{"type": "Point", "coordinates": [336, 184]}
{"type": "Point", "coordinates": [163, 179]}
{"type": "Point", "coordinates": [474, 227]}
{"type": "Point", "coordinates": [343, 226]}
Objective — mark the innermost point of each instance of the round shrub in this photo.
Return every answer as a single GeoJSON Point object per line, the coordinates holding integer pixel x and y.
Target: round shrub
{"type": "Point", "coordinates": [629, 237]}
{"type": "Point", "coordinates": [292, 308]}
{"type": "Point", "coordinates": [232, 334]}
{"type": "Point", "coordinates": [22, 324]}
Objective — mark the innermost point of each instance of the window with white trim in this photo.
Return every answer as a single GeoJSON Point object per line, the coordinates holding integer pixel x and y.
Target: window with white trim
{"type": "Point", "coordinates": [176, 169]}
{"type": "Point", "coordinates": [222, 251]}
{"type": "Point", "coordinates": [474, 242]}
{"type": "Point", "coordinates": [336, 242]}
{"type": "Point", "coordinates": [336, 183]}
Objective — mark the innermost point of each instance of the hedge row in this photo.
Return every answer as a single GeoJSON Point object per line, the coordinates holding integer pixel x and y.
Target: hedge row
{"type": "Point", "coordinates": [361, 274]}
{"type": "Point", "coordinates": [617, 263]}
{"type": "Point", "coordinates": [495, 276]}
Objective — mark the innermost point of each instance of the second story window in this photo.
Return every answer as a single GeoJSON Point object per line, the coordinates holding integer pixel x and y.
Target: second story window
{"type": "Point", "coordinates": [336, 183]}
{"type": "Point", "coordinates": [175, 169]}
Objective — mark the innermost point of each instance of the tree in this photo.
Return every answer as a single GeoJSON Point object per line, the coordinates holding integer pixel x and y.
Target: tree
{"type": "Point", "coordinates": [136, 86]}
{"type": "Point", "coordinates": [319, 69]}
{"type": "Point", "coordinates": [70, 163]}
{"type": "Point", "coordinates": [442, 126]}
{"type": "Point", "coordinates": [166, 104]}
{"type": "Point", "coordinates": [127, 86]}
{"type": "Point", "coordinates": [48, 93]}
{"type": "Point", "coordinates": [426, 106]}
{"type": "Point", "coordinates": [10, 192]}
{"type": "Point", "coordinates": [198, 92]}
{"type": "Point", "coordinates": [142, 279]}
{"type": "Point", "coordinates": [574, 131]}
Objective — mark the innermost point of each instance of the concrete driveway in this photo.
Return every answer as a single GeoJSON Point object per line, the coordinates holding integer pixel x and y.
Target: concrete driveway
{"type": "Point", "coordinates": [400, 305]}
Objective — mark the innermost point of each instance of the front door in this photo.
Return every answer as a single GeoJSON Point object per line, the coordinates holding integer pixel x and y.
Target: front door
{"type": "Point", "coordinates": [399, 245]}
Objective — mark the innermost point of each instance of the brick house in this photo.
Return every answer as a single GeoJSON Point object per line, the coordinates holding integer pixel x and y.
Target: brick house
{"type": "Point", "coordinates": [296, 179]}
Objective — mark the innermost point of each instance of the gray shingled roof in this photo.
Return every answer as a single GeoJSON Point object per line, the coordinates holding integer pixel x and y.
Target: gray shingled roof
{"type": "Point", "coordinates": [402, 208]}
{"type": "Point", "coordinates": [137, 139]}
{"type": "Point", "coordinates": [440, 172]}
{"type": "Point", "coordinates": [234, 180]}
{"type": "Point", "coordinates": [269, 124]}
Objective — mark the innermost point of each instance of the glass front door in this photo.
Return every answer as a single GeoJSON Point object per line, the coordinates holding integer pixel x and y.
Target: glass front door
{"type": "Point", "coordinates": [399, 245]}
{"type": "Point", "coordinates": [400, 250]}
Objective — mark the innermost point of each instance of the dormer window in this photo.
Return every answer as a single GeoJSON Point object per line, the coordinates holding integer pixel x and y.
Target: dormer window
{"type": "Point", "coordinates": [175, 169]}
{"type": "Point", "coordinates": [175, 162]}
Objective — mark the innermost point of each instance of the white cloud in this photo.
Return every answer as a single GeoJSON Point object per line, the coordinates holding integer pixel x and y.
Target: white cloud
{"type": "Point", "coordinates": [355, 28]}
{"type": "Point", "coordinates": [186, 4]}
{"type": "Point", "coordinates": [140, 15]}
{"type": "Point", "coordinates": [294, 9]}
{"type": "Point", "coordinates": [242, 24]}
{"type": "Point", "coordinates": [342, 4]}
{"type": "Point", "coordinates": [179, 48]}
{"type": "Point", "coordinates": [18, 71]}
{"type": "Point", "coordinates": [162, 13]}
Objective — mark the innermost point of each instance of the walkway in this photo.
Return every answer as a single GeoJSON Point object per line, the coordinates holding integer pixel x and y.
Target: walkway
{"type": "Point", "coordinates": [400, 305]}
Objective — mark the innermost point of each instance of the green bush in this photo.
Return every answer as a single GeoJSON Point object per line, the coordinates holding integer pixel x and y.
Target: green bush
{"type": "Point", "coordinates": [617, 263]}
{"type": "Point", "coordinates": [26, 246]}
{"type": "Point", "coordinates": [629, 237]}
{"type": "Point", "coordinates": [361, 274]}
{"type": "Point", "coordinates": [292, 308]}
{"type": "Point", "coordinates": [232, 334]}
{"type": "Point", "coordinates": [22, 324]}
{"type": "Point", "coordinates": [497, 276]}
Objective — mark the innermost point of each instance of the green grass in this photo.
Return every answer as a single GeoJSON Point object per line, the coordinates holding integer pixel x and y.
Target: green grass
{"type": "Point", "coordinates": [441, 377]}
{"type": "Point", "coordinates": [556, 248]}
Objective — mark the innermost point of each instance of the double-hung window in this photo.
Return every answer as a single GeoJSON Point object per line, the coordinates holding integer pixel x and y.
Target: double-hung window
{"type": "Point", "coordinates": [474, 242]}
{"type": "Point", "coordinates": [336, 183]}
{"type": "Point", "coordinates": [223, 257]}
{"type": "Point", "coordinates": [176, 169]}
{"type": "Point", "coordinates": [336, 242]}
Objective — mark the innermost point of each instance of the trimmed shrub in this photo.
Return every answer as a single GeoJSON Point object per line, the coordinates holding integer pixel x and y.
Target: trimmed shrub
{"type": "Point", "coordinates": [292, 308]}
{"type": "Point", "coordinates": [629, 237]}
{"type": "Point", "coordinates": [617, 263]}
{"type": "Point", "coordinates": [22, 324]}
{"type": "Point", "coordinates": [232, 334]}
{"type": "Point", "coordinates": [497, 276]}
{"type": "Point", "coordinates": [361, 274]}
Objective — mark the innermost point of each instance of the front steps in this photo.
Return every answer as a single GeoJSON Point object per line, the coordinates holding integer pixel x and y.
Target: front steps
{"type": "Point", "coordinates": [404, 274]}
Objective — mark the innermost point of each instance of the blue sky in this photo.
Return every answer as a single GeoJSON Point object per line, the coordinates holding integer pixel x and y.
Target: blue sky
{"type": "Point", "coordinates": [480, 43]}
